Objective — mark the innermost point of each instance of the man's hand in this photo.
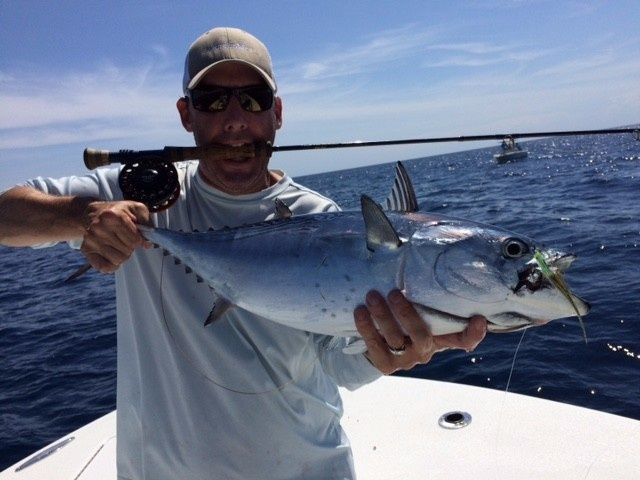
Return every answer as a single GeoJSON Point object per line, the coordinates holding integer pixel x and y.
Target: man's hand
{"type": "Point", "coordinates": [112, 235]}
{"type": "Point", "coordinates": [400, 329]}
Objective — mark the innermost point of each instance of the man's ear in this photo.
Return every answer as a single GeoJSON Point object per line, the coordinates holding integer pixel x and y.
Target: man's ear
{"type": "Point", "coordinates": [278, 112]}
{"type": "Point", "coordinates": [183, 109]}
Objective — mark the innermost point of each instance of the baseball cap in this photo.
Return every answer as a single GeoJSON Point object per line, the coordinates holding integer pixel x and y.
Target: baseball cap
{"type": "Point", "coordinates": [225, 44]}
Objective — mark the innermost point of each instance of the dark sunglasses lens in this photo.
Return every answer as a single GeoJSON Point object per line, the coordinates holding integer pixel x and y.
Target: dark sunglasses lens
{"type": "Point", "coordinates": [255, 99]}
{"type": "Point", "coordinates": [252, 99]}
{"type": "Point", "coordinates": [210, 100]}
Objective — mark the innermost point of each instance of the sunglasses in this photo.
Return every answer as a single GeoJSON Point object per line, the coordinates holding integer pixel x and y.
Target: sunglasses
{"type": "Point", "coordinates": [256, 98]}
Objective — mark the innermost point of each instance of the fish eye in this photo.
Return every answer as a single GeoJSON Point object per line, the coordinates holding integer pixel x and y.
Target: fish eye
{"type": "Point", "coordinates": [514, 248]}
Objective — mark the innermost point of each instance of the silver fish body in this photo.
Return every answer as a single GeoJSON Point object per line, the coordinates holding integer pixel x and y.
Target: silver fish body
{"type": "Point", "coordinates": [310, 272]}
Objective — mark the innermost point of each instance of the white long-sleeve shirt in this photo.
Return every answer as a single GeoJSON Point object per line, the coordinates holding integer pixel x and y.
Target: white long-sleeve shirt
{"type": "Point", "coordinates": [244, 398]}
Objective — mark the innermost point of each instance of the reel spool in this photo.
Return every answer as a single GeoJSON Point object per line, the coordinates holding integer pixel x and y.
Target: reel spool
{"type": "Point", "coordinates": [150, 181]}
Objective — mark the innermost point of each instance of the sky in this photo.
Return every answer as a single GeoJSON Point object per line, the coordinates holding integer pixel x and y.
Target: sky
{"type": "Point", "coordinates": [107, 74]}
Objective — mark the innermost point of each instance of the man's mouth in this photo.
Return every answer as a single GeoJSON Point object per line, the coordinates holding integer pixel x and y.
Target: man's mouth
{"type": "Point", "coordinates": [242, 157]}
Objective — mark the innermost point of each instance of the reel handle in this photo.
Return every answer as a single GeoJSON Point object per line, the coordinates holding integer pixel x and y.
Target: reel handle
{"type": "Point", "coordinates": [94, 158]}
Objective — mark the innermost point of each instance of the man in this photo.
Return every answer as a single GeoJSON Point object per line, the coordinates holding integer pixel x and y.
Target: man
{"type": "Point", "coordinates": [245, 398]}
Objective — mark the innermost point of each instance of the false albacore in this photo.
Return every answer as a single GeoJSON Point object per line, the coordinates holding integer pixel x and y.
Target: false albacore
{"type": "Point", "coordinates": [310, 271]}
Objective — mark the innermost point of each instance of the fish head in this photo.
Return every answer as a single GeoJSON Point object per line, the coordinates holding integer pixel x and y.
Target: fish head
{"type": "Point", "coordinates": [463, 268]}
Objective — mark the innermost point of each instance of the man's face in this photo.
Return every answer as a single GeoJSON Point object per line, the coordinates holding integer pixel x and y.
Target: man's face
{"type": "Point", "coordinates": [233, 126]}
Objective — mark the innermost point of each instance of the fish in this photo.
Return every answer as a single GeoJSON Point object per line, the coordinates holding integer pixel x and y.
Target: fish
{"type": "Point", "coordinates": [310, 271]}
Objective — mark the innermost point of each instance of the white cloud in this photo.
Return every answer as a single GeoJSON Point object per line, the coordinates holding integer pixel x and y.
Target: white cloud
{"type": "Point", "coordinates": [314, 70]}
{"type": "Point", "coordinates": [460, 61]}
{"type": "Point", "coordinates": [471, 47]}
{"type": "Point", "coordinates": [373, 54]}
{"type": "Point", "coordinates": [110, 102]}
{"type": "Point", "coordinates": [482, 54]}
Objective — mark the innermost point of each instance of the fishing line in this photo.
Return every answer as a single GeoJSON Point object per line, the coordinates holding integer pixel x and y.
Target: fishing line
{"type": "Point", "coordinates": [513, 363]}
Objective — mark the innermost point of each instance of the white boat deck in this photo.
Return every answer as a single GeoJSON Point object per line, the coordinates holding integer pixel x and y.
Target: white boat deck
{"type": "Point", "coordinates": [394, 429]}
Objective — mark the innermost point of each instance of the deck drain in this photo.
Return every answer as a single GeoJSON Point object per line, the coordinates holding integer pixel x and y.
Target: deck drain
{"type": "Point", "coordinates": [454, 420]}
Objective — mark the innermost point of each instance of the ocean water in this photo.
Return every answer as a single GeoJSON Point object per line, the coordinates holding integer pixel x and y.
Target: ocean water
{"type": "Point", "coordinates": [580, 194]}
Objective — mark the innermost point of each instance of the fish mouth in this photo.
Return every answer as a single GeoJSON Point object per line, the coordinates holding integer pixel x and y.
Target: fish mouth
{"type": "Point", "coordinates": [546, 270]}
{"type": "Point", "coordinates": [540, 271]}
{"type": "Point", "coordinates": [507, 322]}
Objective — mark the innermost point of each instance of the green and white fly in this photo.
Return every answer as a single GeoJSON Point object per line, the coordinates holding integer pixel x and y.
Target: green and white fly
{"type": "Point", "coordinates": [555, 276]}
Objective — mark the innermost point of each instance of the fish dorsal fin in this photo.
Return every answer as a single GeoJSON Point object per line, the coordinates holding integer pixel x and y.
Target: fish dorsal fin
{"type": "Point", "coordinates": [402, 197]}
{"type": "Point", "coordinates": [380, 232]}
{"type": "Point", "coordinates": [282, 210]}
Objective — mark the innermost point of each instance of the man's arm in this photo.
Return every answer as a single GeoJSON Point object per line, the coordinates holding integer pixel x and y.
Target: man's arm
{"type": "Point", "coordinates": [30, 217]}
{"type": "Point", "coordinates": [108, 229]}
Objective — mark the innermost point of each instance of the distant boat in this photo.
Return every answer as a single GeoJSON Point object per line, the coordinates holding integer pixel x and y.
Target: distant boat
{"type": "Point", "coordinates": [510, 151]}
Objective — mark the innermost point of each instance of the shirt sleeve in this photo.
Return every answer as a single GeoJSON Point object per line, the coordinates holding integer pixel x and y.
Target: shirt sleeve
{"type": "Point", "coordinates": [102, 184]}
{"type": "Point", "coordinates": [348, 370]}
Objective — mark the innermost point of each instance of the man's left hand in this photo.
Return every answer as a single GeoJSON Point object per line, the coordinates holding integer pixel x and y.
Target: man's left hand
{"type": "Point", "coordinates": [398, 339]}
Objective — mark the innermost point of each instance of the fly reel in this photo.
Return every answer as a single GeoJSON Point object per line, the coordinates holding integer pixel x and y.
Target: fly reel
{"type": "Point", "coordinates": [153, 182]}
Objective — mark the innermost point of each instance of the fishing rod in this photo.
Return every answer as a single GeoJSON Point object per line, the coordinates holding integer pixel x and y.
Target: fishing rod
{"type": "Point", "coordinates": [94, 158]}
{"type": "Point", "coordinates": [148, 176]}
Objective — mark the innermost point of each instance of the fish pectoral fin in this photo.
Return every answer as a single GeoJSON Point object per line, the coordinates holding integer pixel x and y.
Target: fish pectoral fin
{"type": "Point", "coordinates": [402, 197]}
{"type": "Point", "coordinates": [355, 347]}
{"type": "Point", "coordinates": [282, 210]}
{"type": "Point", "coordinates": [348, 342]}
{"type": "Point", "coordinates": [380, 232]}
{"type": "Point", "coordinates": [221, 307]}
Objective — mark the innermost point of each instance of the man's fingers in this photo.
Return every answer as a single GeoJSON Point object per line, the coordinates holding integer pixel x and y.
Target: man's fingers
{"type": "Point", "coordinates": [389, 328]}
{"type": "Point", "coordinates": [101, 263]}
{"type": "Point", "coordinates": [422, 343]}
{"type": "Point", "coordinates": [377, 347]}
{"type": "Point", "coordinates": [475, 332]}
{"type": "Point", "coordinates": [112, 234]}
{"type": "Point", "coordinates": [367, 329]}
{"type": "Point", "coordinates": [406, 315]}
{"type": "Point", "coordinates": [116, 229]}
{"type": "Point", "coordinates": [141, 213]}
{"type": "Point", "coordinates": [99, 254]}
{"type": "Point", "coordinates": [466, 340]}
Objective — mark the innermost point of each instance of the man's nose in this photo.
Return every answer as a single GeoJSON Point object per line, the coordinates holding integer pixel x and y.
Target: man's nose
{"type": "Point", "coordinates": [235, 117]}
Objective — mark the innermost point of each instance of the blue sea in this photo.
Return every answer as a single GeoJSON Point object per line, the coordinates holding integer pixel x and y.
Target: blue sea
{"type": "Point", "coordinates": [579, 194]}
